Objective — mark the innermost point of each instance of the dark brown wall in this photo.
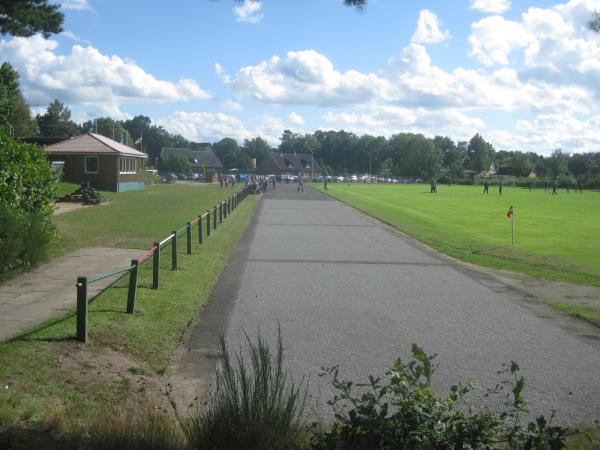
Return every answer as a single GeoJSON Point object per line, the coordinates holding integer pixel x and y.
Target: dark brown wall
{"type": "Point", "coordinates": [74, 169]}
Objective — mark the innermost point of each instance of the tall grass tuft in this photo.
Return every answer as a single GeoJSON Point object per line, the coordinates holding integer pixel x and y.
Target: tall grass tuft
{"type": "Point", "coordinates": [255, 403]}
{"type": "Point", "coordinates": [147, 431]}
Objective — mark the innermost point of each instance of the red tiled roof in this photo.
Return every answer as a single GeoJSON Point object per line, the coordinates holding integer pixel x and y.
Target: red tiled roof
{"type": "Point", "coordinates": [92, 144]}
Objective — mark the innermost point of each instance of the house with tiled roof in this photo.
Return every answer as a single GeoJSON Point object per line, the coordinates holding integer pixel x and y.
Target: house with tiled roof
{"type": "Point", "coordinates": [104, 163]}
{"type": "Point", "coordinates": [202, 159]}
{"type": "Point", "coordinates": [282, 164]}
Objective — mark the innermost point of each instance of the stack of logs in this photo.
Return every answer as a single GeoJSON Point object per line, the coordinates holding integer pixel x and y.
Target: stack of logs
{"type": "Point", "coordinates": [86, 195]}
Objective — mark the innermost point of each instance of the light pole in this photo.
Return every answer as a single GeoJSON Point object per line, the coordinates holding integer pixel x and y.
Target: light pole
{"type": "Point", "coordinates": [369, 166]}
{"type": "Point", "coordinates": [311, 165]}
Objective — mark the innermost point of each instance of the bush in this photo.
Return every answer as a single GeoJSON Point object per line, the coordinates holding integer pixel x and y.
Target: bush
{"type": "Point", "coordinates": [26, 180]}
{"type": "Point", "coordinates": [24, 238]}
{"type": "Point", "coordinates": [406, 413]}
{"type": "Point", "coordinates": [255, 405]}
{"type": "Point", "coordinates": [26, 192]}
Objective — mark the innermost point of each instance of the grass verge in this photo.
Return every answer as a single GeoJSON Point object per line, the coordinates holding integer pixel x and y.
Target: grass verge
{"type": "Point", "coordinates": [587, 313]}
{"type": "Point", "coordinates": [49, 379]}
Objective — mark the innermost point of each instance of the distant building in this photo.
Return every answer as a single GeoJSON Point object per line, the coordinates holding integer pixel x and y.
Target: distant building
{"type": "Point", "coordinates": [202, 160]}
{"type": "Point", "coordinates": [104, 163]}
{"type": "Point", "coordinates": [280, 164]}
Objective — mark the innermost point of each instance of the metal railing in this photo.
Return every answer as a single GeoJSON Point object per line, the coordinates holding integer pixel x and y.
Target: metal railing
{"type": "Point", "coordinates": [224, 209]}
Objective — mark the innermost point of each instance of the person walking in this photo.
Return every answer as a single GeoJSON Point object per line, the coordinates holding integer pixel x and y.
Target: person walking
{"type": "Point", "coordinates": [500, 187]}
{"type": "Point", "coordinates": [325, 183]}
{"type": "Point", "coordinates": [554, 187]}
{"type": "Point", "coordinates": [486, 186]}
{"type": "Point", "coordinates": [300, 185]}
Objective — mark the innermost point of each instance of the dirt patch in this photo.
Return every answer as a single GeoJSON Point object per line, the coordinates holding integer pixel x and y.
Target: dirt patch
{"type": "Point", "coordinates": [65, 207]}
{"type": "Point", "coordinates": [99, 365]}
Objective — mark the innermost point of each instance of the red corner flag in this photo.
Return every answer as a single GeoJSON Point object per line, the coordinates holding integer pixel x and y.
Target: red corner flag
{"type": "Point", "coordinates": [509, 214]}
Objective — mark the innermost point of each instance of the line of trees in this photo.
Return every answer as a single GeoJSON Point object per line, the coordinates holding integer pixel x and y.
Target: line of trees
{"type": "Point", "coordinates": [338, 152]}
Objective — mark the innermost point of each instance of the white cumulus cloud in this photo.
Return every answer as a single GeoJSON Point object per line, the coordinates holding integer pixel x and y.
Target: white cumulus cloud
{"type": "Point", "coordinates": [491, 6]}
{"type": "Point", "coordinates": [205, 126]}
{"type": "Point", "coordinates": [295, 118]}
{"type": "Point", "coordinates": [231, 105]}
{"type": "Point", "coordinates": [428, 29]}
{"type": "Point", "coordinates": [305, 77]}
{"type": "Point", "coordinates": [492, 39]}
{"type": "Point", "coordinates": [76, 5]}
{"type": "Point", "coordinates": [248, 11]}
{"type": "Point", "coordinates": [87, 77]}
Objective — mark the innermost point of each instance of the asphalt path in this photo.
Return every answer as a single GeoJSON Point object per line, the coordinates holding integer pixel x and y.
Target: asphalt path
{"type": "Point", "coordinates": [348, 290]}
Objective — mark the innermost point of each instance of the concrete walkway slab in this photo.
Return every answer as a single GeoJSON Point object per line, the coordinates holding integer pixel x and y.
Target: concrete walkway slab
{"type": "Point", "coordinates": [49, 290]}
{"type": "Point", "coordinates": [350, 291]}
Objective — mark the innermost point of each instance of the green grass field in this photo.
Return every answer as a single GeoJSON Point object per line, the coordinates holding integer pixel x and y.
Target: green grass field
{"type": "Point", "coordinates": [557, 237]}
{"type": "Point", "coordinates": [134, 219]}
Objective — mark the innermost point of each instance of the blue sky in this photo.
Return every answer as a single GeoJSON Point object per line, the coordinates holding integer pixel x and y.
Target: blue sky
{"type": "Point", "coordinates": [524, 74]}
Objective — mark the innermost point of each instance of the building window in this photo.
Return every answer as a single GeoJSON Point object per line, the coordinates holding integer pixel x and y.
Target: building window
{"type": "Point", "coordinates": [126, 165]}
{"type": "Point", "coordinates": [91, 164]}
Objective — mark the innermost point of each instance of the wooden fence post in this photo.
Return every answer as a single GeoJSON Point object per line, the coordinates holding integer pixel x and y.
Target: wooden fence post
{"type": "Point", "coordinates": [133, 277]}
{"type": "Point", "coordinates": [189, 238]}
{"type": "Point", "coordinates": [174, 251]}
{"type": "Point", "coordinates": [155, 265]}
{"type": "Point", "coordinates": [82, 309]}
{"type": "Point", "coordinates": [200, 229]}
{"type": "Point", "coordinates": [208, 222]}
{"type": "Point", "coordinates": [215, 218]}
{"type": "Point", "coordinates": [221, 212]}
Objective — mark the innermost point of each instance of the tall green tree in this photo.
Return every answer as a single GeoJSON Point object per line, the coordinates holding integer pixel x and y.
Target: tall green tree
{"type": "Point", "coordinates": [230, 154]}
{"type": "Point", "coordinates": [14, 111]}
{"type": "Point", "coordinates": [556, 165]}
{"type": "Point", "coordinates": [256, 148]}
{"type": "Point", "coordinates": [479, 154]}
{"type": "Point", "coordinates": [56, 121]}
{"type": "Point", "coordinates": [176, 164]}
{"type": "Point", "coordinates": [27, 17]}
{"type": "Point", "coordinates": [519, 164]}
{"type": "Point", "coordinates": [414, 155]}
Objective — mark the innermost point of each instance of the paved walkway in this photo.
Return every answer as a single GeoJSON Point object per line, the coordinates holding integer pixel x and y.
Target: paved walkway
{"type": "Point", "coordinates": [348, 290]}
{"type": "Point", "coordinates": [49, 290]}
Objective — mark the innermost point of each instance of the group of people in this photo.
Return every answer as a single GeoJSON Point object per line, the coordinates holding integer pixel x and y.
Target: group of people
{"type": "Point", "coordinates": [228, 180]}
{"type": "Point", "coordinates": [486, 187]}
{"type": "Point", "coordinates": [259, 184]}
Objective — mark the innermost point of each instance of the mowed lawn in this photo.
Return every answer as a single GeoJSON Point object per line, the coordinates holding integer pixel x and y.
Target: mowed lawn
{"type": "Point", "coordinates": [135, 219]}
{"type": "Point", "coordinates": [556, 237]}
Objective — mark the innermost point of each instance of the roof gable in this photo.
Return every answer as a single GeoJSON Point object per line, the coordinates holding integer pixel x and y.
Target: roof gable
{"type": "Point", "coordinates": [296, 161]}
{"type": "Point", "coordinates": [92, 144]}
{"type": "Point", "coordinates": [197, 158]}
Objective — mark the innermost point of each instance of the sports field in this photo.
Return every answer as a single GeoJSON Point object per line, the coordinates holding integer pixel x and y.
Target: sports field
{"type": "Point", "coordinates": [556, 237]}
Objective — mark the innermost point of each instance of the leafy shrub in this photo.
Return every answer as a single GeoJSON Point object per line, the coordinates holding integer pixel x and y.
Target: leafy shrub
{"type": "Point", "coordinates": [255, 404]}
{"type": "Point", "coordinates": [26, 191]}
{"type": "Point", "coordinates": [24, 238]}
{"type": "Point", "coordinates": [406, 413]}
{"type": "Point", "coordinates": [26, 180]}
